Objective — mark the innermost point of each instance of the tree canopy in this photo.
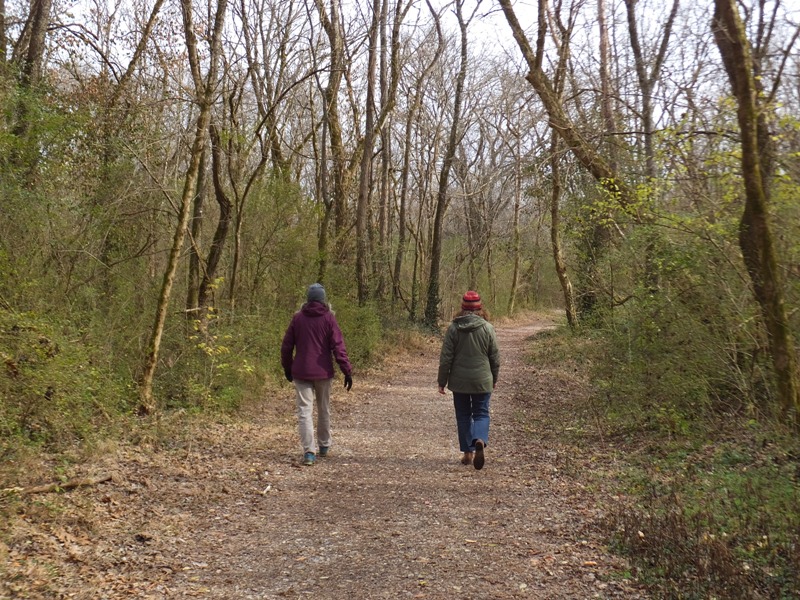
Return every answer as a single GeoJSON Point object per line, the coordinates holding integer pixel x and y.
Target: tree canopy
{"type": "Point", "coordinates": [178, 172]}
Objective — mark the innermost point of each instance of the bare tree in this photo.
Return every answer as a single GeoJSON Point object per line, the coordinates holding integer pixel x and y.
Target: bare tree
{"type": "Point", "coordinates": [365, 180]}
{"type": "Point", "coordinates": [195, 228]}
{"type": "Point", "coordinates": [433, 296]}
{"type": "Point", "coordinates": [755, 235]}
{"type": "Point", "coordinates": [204, 96]}
{"type": "Point", "coordinates": [611, 181]}
{"type": "Point", "coordinates": [649, 78]}
{"type": "Point", "coordinates": [36, 29]}
{"type": "Point", "coordinates": [390, 68]}
{"type": "Point", "coordinates": [559, 82]}
{"type": "Point", "coordinates": [335, 198]}
{"type": "Point", "coordinates": [380, 262]}
{"type": "Point", "coordinates": [3, 38]}
{"type": "Point", "coordinates": [333, 28]}
{"type": "Point", "coordinates": [609, 122]}
{"type": "Point", "coordinates": [555, 234]}
{"type": "Point", "coordinates": [416, 91]}
{"type": "Point", "coordinates": [34, 35]}
{"type": "Point", "coordinates": [207, 281]}
{"type": "Point", "coordinates": [516, 237]}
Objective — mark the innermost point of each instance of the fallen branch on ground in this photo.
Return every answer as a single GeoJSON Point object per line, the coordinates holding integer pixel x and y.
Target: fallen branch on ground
{"type": "Point", "coordinates": [61, 486]}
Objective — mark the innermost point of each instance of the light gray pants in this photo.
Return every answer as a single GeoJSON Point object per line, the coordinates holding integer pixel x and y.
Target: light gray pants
{"type": "Point", "coordinates": [307, 392]}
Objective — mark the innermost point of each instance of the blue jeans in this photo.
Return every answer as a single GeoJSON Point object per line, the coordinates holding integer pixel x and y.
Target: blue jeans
{"type": "Point", "coordinates": [472, 419]}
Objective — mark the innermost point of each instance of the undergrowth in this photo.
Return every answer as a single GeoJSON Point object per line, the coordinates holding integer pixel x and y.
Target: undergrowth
{"type": "Point", "coordinates": [53, 393]}
{"type": "Point", "coordinates": [65, 388]}
{"type": "Point", "coordinates": [716, 517]}
{"type": "Point", "coordinates": [712, 498]}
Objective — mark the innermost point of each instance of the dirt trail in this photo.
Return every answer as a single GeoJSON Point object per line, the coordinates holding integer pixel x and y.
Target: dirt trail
{"type": "Point", "coordinates": [391, 513]}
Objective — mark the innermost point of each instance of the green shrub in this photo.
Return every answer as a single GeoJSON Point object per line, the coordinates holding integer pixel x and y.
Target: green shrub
{"type": "Point", "coordinates": [217, 371]}
{"type": "Point", "coordinates": [52, 391]}
{"type": "Point", "coordinates": [692, 345]}
{"type": "Point", "coordinates": [721, 520]}
{"type": "Point", "coordinates": [362, 330]}
{"type": "Point", "coordinates": [711, 503]}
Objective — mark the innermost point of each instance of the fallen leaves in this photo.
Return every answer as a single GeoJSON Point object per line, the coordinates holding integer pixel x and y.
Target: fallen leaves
{"type": "Point", "coordinates": [226, 515]}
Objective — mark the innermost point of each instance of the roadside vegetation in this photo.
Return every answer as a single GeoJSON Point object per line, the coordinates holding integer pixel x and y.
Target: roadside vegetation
{"type": "Point", "coordinates": [702, 489]}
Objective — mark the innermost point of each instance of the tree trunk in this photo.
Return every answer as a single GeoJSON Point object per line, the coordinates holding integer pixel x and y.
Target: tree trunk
{"type": "Point", "coordinates": [195, 231]}
{"type": "Point", "coordinates": [31, 74]}
{"type": "Point", "coordinates": [517, 256]}
{"type": "Point", "coordinates": [205, 96]}
{"type": "Point", "coordinates": [433, 297]}
{"type": "Point", "coordinates": [385, 224]}
{"type": "Point", "coordinates": [221, 233]}
{"type": "Point", "coordinates": [755, 236]}
{"type": "Point", "coordinates": [3, 38]}
{"type": "Point", "coordinates": [362, 258]}
{"type": "Point", "coordinates": [609, 123]}
{"type": "Point", "coordinates": [333, 30]}
{"type": "Point", "coordinates": [600, 234]}
{"type": "Point", "coordinates": [555, 238]}
{"type": "Point", "coordinates": [410, 118]}
{"type": "Point", "coordinates": [327, 201]}
{"type": "Point", "coordinates": [384, 221]}
{"type": "Point", "coordinates": [647, 80]}
{"type": "Point", "coordinates": [515, 234]}
{"type": "Point", "coordinates": [401, 219]}
{"type": "Point", "coordinates": [40, 20]}
{"type": "Point", "coordinates": [237, 258]}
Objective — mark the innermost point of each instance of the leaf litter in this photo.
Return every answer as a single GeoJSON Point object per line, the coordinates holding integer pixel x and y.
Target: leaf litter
{"type": "Point", "coordinates": [229, 512]}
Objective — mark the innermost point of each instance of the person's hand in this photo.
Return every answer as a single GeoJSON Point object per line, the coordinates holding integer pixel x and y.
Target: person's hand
{"type": "Point", "coordinates": [441, 390]}
{"type": "Point", "coordinates": [288, 373]}
{"type": "Point", "coordinates": [348, 382]}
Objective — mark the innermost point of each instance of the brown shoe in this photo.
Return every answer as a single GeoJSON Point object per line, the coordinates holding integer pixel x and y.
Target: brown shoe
{"type": "Point", "coordinates": [479, 458]}
{"type": "Point", "coordinates": [467, 458]}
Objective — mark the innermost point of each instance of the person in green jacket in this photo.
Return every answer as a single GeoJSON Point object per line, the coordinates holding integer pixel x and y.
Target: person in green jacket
{"type": "Point", "coordinates": [469, 366]}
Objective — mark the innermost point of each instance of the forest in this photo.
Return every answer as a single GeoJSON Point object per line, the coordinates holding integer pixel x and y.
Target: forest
{"type": "Point", "coordinates": [174, 174]}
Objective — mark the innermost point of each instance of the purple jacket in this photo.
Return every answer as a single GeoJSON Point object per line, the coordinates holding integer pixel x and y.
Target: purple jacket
{"type": "Point", "coordinates": [314, 338]}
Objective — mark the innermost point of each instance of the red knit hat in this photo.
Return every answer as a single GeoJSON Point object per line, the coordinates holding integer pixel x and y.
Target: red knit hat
{"type": "Point", "coordinates": [471, 301]}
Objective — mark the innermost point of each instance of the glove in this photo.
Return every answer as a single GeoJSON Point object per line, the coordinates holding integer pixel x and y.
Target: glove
{"type": "Point", "coordinates": [288, 373]}
{"type": "Point", "coordinates": [348, 382]}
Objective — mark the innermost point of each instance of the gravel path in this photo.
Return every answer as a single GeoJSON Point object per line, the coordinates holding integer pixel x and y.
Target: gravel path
{"type": "Point", "coordinates": [391, 513]}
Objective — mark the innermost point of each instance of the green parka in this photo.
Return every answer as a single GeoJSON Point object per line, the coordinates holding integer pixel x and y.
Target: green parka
{"type": "Point", "coordinates": [470, 360]}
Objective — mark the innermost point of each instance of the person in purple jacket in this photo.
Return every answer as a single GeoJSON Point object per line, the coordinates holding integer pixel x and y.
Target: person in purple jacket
{"type": "Point", "coordinates": [312, 340]}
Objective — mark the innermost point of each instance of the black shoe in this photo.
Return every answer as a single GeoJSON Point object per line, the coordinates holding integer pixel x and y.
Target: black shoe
{"type": "Point", "coordinates": [479, 458]}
